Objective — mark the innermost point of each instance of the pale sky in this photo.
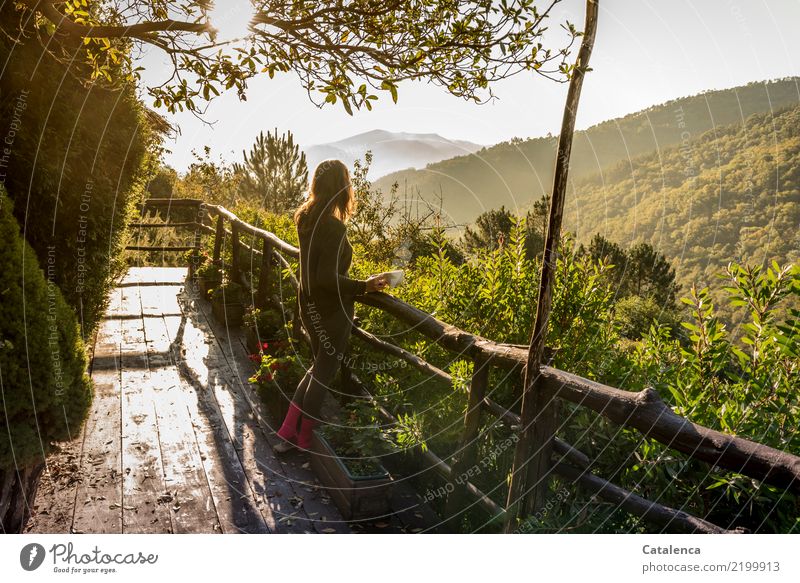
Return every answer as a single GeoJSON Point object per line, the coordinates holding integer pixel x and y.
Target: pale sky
{"type": "Point", "coordinates": [646, 52]}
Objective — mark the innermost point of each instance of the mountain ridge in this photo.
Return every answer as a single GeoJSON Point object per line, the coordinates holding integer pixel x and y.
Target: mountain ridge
{"type": "Point", "coordinates": [391, 150]}
{"type": "Point", "coordinates": [516, 173]}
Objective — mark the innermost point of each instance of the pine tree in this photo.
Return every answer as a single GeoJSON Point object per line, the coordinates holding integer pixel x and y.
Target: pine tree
{"type": "Point", "coordinates": [493, 228]}
{"type": "Point", "coordinates": [274, 174]}
{"type": "Point", "coordinates": [638, 271]}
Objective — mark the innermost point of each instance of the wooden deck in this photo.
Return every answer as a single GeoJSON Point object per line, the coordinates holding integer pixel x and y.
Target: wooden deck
{"type": "Point", "coordinates": [177, 441]}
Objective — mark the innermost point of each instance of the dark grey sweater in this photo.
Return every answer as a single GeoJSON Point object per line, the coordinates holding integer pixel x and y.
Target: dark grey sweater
{"type": "Point", "coordinates": [325, 258]}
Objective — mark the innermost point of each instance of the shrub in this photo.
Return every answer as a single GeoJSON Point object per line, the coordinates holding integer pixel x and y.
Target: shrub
{"type": "Point", "coordinates": [635, 315]}
{"type": "Point", "coordinates": [229, 292]}
{"type": "Point", "coordinates": [267, 321]}
{"type": "Point", "coordinates": [76, 164]}
{"type": "Point", "coordinates": [45, 390]}
{"type": "Point", "coordinates": [210, 271]}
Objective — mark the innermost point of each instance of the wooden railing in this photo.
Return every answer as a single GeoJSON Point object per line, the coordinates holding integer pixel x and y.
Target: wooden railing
{"type": "Point", "coordinates": [196, 225]}
{"type": "Point", "coordinates": [643, 410]}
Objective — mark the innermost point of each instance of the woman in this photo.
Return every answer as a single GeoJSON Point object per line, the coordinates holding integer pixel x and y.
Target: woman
{"type": "Point", "coordinates": [326, 295]}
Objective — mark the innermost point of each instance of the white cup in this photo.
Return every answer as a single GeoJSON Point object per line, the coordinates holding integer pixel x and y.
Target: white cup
{"type": "Point", "coordinates": [394, 277]}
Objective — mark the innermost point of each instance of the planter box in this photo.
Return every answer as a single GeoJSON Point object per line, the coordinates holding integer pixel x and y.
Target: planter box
{"type": "Point", "coordinates": [206, 286]}
{"type": "Point", "coordinates": [357, 497]}
{"type": "Point", "coordinates": [230, 314]}
{"type": "Point", "coordinates": [276, 401]}
{"type": "Point", "coordinates": [251, 340]}
{"type": "Point", "coordinates": [17, 488]}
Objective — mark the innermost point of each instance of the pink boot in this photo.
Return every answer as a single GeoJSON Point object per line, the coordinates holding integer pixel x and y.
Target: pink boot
{"type": "Point", "coordinates": [307, 426]}
{"type": "Point", "coordinates": [288, 430]}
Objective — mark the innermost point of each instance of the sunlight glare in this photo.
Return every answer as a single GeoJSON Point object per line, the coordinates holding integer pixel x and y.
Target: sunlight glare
{"type": "Point", "coordinates": [231, 18]}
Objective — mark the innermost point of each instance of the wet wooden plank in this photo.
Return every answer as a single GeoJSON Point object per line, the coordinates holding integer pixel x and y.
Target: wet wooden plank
{"type": "Point", "coordinates": [144, 509]}
{"type": "Point", "coordinates": [321, 514]}
{"type": "Point", "coordinates": [98, 497]}
{"type": "Point", "coordinates": [143, 487]}
{"type": "Point", "coordinates": [187, 492]}
{"type": "Point", "coordinates": [411, 511]}
{"type": "Point", "coordinates": [270, 480]}
{"type": "Point", "coordinates": [130, 303]}
{"type": "Point", "coordinates": [264, 473]}
{"type": "Point", "coordinates": [237, 507]}
{"type": "Point", "coordinates": [153, 275]}
{"type": "Point", "coordinates": [160, 300]}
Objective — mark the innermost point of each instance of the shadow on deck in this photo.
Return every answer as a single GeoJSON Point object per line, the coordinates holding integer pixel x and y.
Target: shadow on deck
{"type": "Point", "coordinates": [177, 441]}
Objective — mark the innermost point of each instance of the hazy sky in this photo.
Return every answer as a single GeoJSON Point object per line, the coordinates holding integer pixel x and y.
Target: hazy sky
{"type": "Point", "coordinates": [647, 52]}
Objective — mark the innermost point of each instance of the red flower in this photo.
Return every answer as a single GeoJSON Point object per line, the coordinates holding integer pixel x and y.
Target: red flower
{"type": "Point", "coordinates": [264, 346]}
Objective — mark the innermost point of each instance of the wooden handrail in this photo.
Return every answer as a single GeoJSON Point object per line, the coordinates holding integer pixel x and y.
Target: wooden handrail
{"type": "Point", "coordinates": [647, 412]}
{"type": "Point", "coordinates": [276, 242]}
{"type": "Point", "coordinates": [176, 202]}
{"type": "Point", "coordinates": [642, 410]}
{"type": "Point", "coordinates": [161, 225]}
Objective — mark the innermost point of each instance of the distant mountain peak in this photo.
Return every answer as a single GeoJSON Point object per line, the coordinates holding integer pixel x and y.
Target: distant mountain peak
{"type": "Point", "coordinates": [391, 151]}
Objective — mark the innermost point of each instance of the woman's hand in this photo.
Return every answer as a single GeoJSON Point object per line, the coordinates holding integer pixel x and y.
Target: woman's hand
{"type": "Point", "coordinates": [377, 283]}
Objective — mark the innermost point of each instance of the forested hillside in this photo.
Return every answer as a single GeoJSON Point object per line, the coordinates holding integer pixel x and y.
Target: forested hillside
{"type": "Point", "coordinates": [732, 194]}
{"type": "Point", "coordinates": [516, 173]}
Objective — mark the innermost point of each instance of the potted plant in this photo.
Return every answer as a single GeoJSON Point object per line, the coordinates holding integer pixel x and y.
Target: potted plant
{"type": "Point", "coordinates": [227, 303]}
{"type": "Point", "coordinates": [262, 325]}
{"type": "Point", "coordinates": [279, 371]}
{"type": "Point", "coordinates": [196, 260]}
{"type": "Point", "coordinates": [344, 459]}
{"type": "Point", "coordinates": [209, 276]}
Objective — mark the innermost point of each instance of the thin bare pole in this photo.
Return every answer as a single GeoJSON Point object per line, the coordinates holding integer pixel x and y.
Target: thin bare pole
{"type": "Point", "coordinates": [532, 456]}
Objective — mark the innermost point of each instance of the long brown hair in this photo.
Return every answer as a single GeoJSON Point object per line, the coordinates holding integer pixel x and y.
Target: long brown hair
{"type": "Point", "coordinates": [331, 193]}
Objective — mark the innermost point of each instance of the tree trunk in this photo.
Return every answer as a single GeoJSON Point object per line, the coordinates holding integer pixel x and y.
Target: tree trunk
{"type": "Point", "coordinates": [532, 456]}
{"type": "Point", "coordinates": [17, 492]}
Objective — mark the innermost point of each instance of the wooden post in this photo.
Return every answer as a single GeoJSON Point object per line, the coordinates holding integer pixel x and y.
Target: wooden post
{"type": "Point", "coordinates": [349, 392]}
{"type": "Point", "coordinates": [532, 463]}
{"type": "Point", "coordinates": [297, 325]}
{"type": "Point", "coordinates": [463, 467]}
{"type": "Point", "coordinates": [236, 270]}
{"type": "Point", "coordinates": [264, 274]}
{"type": "Point", "coordinates": [195, 262]}
{"type": "Point", "coordinates": [218, 237]}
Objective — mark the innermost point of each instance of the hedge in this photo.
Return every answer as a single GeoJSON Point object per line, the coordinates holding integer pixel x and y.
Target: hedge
{"type": "Point", "coordinates": [78, 158]}
{"type": "Point", "coordinates": [44, 387]}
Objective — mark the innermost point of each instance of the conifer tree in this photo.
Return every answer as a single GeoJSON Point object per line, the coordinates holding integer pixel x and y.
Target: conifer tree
{"type": "Point", "coordinates": [274, 174]}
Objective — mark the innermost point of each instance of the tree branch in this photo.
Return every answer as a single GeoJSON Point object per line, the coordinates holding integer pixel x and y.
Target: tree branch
{"type": "Point", "coordinates": [140, 30]}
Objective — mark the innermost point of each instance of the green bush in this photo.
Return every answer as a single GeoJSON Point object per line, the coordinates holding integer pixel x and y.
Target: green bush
{"type": "Point", "coordinates": [75, 165]}
{"type": "Point", "coordinates": [45, 389]}
{"type": "Point", "coordinates": [229, 292]}
{"type": "Point", "coordinates": [635, 315]}
{"type": "Point", "coordinates": [267, 322]}
{"type": "Point", "coordinates": [211, 272]}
